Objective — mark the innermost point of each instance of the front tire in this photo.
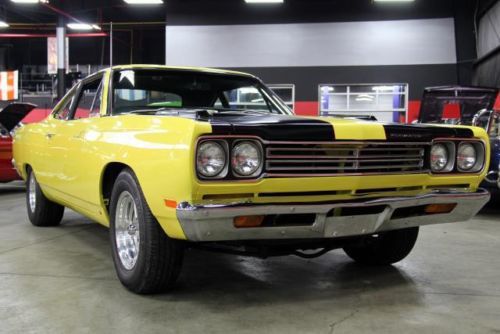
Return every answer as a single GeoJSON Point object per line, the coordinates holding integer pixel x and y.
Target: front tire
{"type": "Point", "coordinates": [146, 259]}
{"type": "Point", "coordinates": [41, 211]}
{"type": "Point", "coordinates": [385, 248]}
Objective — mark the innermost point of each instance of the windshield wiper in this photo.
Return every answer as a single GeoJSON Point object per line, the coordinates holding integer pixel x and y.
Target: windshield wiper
{"type": "Point", "coordinates": [199, 111]}
{"type": "Point", "coordinates": [243, 110]}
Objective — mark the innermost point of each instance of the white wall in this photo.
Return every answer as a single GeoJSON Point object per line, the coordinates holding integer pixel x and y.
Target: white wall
{"type": "Point", "coordinates": [405, 42]}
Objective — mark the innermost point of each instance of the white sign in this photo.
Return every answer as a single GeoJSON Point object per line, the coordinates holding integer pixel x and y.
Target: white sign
{"type": "Point", "coordinates": [52, 55]}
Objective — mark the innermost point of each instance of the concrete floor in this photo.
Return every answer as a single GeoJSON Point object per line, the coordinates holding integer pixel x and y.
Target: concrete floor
{"type": "Point", "coordinates": [61, 280]}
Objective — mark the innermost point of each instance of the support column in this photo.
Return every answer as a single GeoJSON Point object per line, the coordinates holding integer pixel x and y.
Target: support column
{"type": "Point", "coordinates": [166, 27]}
{"type": "Point", "coordinates": [111, 44]}
{"type": "Point", "coordinates": [61, 58]}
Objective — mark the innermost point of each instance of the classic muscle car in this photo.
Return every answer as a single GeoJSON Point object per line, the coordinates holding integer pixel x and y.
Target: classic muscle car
{"type": "Point", "coordinates": [171, 158]}
{"type": "Point", "coordinates": [10, 116]}
{"type": "Point", "coordinates": [467, 106]}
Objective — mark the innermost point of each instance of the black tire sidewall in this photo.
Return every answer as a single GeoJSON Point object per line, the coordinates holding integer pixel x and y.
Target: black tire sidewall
{"type": "Point", "coordinates": [389, 248]}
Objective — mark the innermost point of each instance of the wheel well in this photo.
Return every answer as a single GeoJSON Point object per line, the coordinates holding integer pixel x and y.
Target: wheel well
{"type": "Point", "coordinates": [26, 169]}
{"type": "Point", "coordinates": [109, 176]}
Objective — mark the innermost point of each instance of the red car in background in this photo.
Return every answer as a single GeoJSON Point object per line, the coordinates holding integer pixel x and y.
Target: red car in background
{"type": "Point", "coordinates": [10, 117]}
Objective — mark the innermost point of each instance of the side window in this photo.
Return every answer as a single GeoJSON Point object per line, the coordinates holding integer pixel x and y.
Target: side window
{"type": "Point", "coordinates": [62, 113]}
{"type": "Point", "coordinates": [95, 108]}
{"type": "Point", "coordinates": [89, 100]}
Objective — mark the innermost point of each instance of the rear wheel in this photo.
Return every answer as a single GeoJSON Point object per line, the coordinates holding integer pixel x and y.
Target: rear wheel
{"type": "Point", "coordinates": [146, 259]}
{"type": "Point", "coordinates": [385, 248]}
{"type": "Point", "coordinates": [41, 211]}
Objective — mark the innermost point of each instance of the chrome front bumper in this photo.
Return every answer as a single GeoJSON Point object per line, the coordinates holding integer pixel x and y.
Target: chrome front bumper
{"type": "Point", "coordinates": [215, 222]}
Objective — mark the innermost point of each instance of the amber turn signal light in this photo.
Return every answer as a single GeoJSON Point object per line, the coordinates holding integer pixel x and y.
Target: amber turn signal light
{"type": "Point", "coordinates": [248, 221]}
{"type": "Point", "coordinates": [440, 208]}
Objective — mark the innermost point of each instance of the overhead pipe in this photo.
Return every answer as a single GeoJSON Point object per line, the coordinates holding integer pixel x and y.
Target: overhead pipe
{"type": "Point", "coordinates": [61, 12]}
{"type": "Point", "coordinates": [92, 34]}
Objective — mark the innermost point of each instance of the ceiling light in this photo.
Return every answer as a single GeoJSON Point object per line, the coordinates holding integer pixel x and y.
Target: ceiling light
{"type": "Point", "coordinates": [393, 0]}
{"type": "Point", "coordinates": [30, 1]}
{"type": "Point", "coordinates": [4, 24]}
{"type": "Point", "coordinates": [83, 26]}
{"type": "Point", "coordinates": [144, 2]}
{"type": "Point", "coordinates": [264, 1]}
{"type": "Point", "coordinates": [384, 88]}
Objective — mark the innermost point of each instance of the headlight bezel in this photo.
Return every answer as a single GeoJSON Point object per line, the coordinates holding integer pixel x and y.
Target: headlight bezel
{"type": "Point", "coordinates": [258, 171]}
{"type": "Point", "coordinates": [224, 171]}
{"type": "Point", "coordinates": [229, 142]}
{"type": "Point", "coordinates": [450, 164]}
{"type": "Point", "coordinates": [453, 145]}
{"type": "Point", "coordinates": [480, 156]}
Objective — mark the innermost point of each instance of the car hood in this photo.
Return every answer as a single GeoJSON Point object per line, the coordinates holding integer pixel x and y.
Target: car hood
{"type": "Point", "coordinates": [470, 99]}
{"type": "Point", "coordinates": [296, 128]}
{"type": "Point", "coordinates": [12, 114]}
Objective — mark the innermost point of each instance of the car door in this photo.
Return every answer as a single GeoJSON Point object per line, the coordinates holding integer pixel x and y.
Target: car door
{"type": "Point", "coordinates": [79, 158]}
{"type": "Point", "coordinates": [49, 147]}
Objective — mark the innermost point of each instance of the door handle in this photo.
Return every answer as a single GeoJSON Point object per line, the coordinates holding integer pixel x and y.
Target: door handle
{"type": "Point", "coordinates": [50, 135]}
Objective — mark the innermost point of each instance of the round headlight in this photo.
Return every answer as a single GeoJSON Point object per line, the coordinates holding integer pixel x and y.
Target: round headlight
{"type": "Point", "coordinates": [210, 159]}
{"type": "Point", "coordinates": [466, 157]}
{"type": "Point", "coordinates": [246, 158]}
{"type": "Point", "coordinates": [439, 157]}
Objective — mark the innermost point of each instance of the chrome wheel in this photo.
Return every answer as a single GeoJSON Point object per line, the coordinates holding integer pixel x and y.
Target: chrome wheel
{"type": "Point", "coordinates": [32, 192]}
{"type": "Point", "coordinates": [127, 230]}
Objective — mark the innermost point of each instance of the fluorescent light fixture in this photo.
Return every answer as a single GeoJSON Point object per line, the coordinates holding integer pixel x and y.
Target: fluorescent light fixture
{"type": "Point", "coordinates": [264, 1]}
{"type": "Point", "coordinates": [393, 0]}
{"type": "Point", "coordinates": [30, 1]}
{"type": "Point", "coordinates": [83, 26]}
{"type": "Point", "coordinates": [364, 98]}
{"type": "Point", "coordinates": [384, 88]}
{"type": "Point", "coordinates": [4, 24]}
{"type": "Point", "coordinates": [144, 2]}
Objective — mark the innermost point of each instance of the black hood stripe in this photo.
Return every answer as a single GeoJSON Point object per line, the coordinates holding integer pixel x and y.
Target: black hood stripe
{"type": "Point", "coordinates": [274, 128]}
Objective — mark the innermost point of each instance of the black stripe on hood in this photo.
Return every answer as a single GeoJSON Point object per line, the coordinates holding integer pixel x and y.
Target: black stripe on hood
{"type": "Point", "coordinates": [273, 127]}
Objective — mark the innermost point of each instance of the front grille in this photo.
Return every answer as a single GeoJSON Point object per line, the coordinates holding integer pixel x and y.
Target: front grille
{"type": "Point", "coordinates": [326, 159]}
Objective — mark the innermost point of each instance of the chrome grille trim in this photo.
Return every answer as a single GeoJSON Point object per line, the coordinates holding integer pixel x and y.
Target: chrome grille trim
{"type": "Point", "coordinates": [340, 158]}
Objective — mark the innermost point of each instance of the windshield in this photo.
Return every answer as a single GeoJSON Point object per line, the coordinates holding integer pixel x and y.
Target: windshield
{"type": "Point", "coordinates": [150, 89]}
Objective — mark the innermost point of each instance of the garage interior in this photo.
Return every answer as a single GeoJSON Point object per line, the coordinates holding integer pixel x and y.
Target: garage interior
{"type": "Point", "coordinates": [62, 280]}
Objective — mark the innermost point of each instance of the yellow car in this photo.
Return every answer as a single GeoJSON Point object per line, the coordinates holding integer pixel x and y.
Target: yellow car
{"type": "Point", "coordinates": [171, 158]}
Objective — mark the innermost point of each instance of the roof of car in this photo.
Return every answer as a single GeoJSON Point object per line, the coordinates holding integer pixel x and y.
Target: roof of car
{"type": "Point", "coordinates": [183, 68]}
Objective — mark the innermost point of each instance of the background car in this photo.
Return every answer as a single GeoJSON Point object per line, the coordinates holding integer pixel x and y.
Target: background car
{"type": "Point", "coordinates": [466, 106]}
{"type": "Point", "coordinates": [10, 118]}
